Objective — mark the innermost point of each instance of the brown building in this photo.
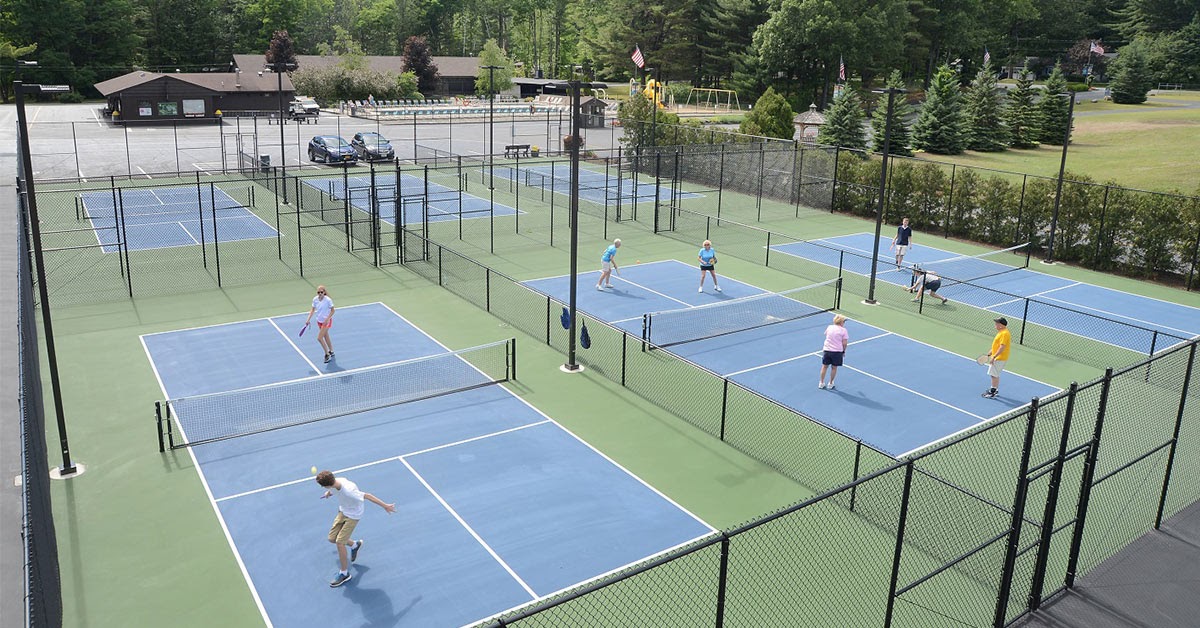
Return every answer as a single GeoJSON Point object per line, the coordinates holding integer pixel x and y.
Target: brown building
{"type": "Point", "coordinates": [456, 75]}
{"type": "Point", "coordinates": [147, 97]}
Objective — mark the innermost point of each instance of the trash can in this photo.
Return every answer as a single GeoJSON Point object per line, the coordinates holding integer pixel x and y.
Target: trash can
{"type": "Point", "coordinates": [264, 164]}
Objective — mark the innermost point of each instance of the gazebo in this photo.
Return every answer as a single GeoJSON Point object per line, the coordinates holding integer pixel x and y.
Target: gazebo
{"type": "Point", "coordinates": [809, 122]}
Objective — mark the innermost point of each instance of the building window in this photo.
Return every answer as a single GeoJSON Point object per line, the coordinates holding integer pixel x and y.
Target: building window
{"type": "Point", "coordinates": [144, 109]}
{"type": "Point", "coordinates": [168, 108]}
{"type": "Point", "coordinates": [193, 108]}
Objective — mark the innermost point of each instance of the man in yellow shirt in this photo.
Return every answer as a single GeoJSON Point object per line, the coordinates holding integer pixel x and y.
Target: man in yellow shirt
{"type": "Point", "coordinates": [1001, 345]}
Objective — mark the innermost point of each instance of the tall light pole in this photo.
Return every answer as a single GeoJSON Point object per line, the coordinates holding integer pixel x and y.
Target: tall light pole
{"type": "Point", "coordinates": [887, 144]}
{"type": "Point", "coordinates": [279, 67]}
{"type": "Point", "coordinates": [68, 467]}
{"type": "Point", "coordinates": [1062, 168]}
{"type": "Point", "coordinates": [653, 74]}
{"type": "Point", "coordinates": [491, 121]}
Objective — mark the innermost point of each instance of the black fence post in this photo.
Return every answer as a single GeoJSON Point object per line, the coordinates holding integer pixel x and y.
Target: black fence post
{"type": "Point", "coordinates": [1100, 230]}
{"type": "Point", "coordinates": [1085, 483]}
{"type": "Point", "coordinates": [858, 444]}
{"type": "Point", "coordinates": [722, 580]}
{"type": "Point", "coordinates": [1183, 395]}
{"type": "Point", "coordinates": [1020, 210]}
{"type": "Point", "coordinates": [721, 180]}
{"type": "Point", "coordinates": [837, 153]}
{"type": "Point", "coordinates": [1024, 321]}
{"type": "Point", "coordinates": [950, 200]}
{"type": "Point", "coordinates": [897, 553]}
{"type": "Point", "coordinates": [1018, 517]}
{"type": "Point", "coordinates": [724, 405]}
{"type": "Point", "coordinates": [212, 197]}
{"type": "Point", "coordinates": [1195, 260]}
{"type": "Point", "coordinates": [1048, 514]}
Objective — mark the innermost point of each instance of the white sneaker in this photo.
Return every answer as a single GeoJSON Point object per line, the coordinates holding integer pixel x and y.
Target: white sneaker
{"type": "Point", "coordinates": [718, 288]}
{"type": "Point", "coordinates": [700, 289]}
{"type": "Point", "coordinates": [820, 384]}
{"type": "Point", "coordinates": [831, 386]}
{"type": "Point", "coordinates": [600, 288]}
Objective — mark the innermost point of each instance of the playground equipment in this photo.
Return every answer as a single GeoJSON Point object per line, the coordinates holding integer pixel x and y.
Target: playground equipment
{"type": "Point", "coordinates": [655, 95]}
{"type": "Point", "coordinates": [713, 98]}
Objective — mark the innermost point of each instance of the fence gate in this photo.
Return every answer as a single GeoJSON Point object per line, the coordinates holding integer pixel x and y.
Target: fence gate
{"type": "Point", "coordinates": [239, 152]}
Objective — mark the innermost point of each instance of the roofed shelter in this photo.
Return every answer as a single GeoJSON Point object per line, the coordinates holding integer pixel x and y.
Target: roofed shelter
{"type": "Point", "coordinates": [456, 75]}
{"type": "Point", "coordinates": [149, 97]}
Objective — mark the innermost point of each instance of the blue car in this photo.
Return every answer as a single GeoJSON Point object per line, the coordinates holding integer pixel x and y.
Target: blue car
{"type": "Point", "coordinates": [331, 149]}
{"type": "Point", "coordinates": [372, 146]}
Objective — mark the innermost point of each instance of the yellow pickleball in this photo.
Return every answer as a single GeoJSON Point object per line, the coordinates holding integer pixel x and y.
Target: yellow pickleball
{"type": "Point", "coordinates": [314, 470]}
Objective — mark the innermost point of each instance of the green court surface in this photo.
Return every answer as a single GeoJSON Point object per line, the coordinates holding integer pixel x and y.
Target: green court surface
{"type": "Point", "coordinates": [139, 541]}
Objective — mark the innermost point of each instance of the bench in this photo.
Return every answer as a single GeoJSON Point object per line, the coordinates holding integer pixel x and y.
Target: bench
{"type": "Point", "coordinates": [516, 150]}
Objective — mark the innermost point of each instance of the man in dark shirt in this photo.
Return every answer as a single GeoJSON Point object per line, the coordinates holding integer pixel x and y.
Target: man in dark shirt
{"type": "Point", "coordinates": [902, 241]}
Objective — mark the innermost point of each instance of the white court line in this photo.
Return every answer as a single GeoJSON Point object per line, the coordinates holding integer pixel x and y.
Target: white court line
{"type": "Point", "coordinates": [147, 175]}
{"type": "Point", "coordinates": [237, 556]}
{"type": "Point", "coordinates": [382, 460]}
{"type": "Point", "coordinates": [906, 389]}
{"type": "Point", "coordinates": [1151, 326]}
{"type": "Point", "coordinates": [96, 117]}
{"type": "Point", "coordinates": [685, 303]}
{"type": "Point", "coordinates": [806, 355]}
{"type": "Point", "coordinates": [250, 320]}
{"type": "Point", "coordinates": [588, 272]}
{"type": "Point", "coordinates": [185, 230]}
{"type": "Point", "coordinates": [1031, 296]}
{"type": "Point", "coordinates": [470, 530]}
{"type": "Point", "coordinates": [199, 167]}
{"type": "Point", "coordinates": [289, 341]}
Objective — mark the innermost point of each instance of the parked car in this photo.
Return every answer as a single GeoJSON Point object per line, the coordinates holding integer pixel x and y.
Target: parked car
{"type": "Point", "coordinates": [372, 146]}
{"type": "Point", "coordinates": [303, 108]}
{"type": "Point", "coordinates": [331, 149]}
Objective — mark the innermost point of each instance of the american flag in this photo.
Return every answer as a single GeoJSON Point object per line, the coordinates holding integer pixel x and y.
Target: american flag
{"type": "Point", "coordinates": [1096, 48]}
{"type": "Point", "coordinates": [841, 69]}
{"type": "Point", "coordinates": [638, 59]}
{"type": "Point", "coordinates": [987, 56]}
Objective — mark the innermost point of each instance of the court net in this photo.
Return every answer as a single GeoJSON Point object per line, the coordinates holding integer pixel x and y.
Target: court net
{"type": "Point", "coordinates": [214, 417]}
{"type": "Point", "coordinates": [971, 268]}
{"type": "Point", "coordinates": [673, 327]}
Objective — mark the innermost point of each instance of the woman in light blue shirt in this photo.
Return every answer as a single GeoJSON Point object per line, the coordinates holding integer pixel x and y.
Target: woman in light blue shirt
{"type": "Point", "coordinates": [708, 264]}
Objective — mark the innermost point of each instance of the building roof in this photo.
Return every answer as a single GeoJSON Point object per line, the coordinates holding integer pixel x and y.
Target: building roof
{"type": "Point", "coordinates": [449, 67]}
{"type": "Point", "coordinates": [224, 82]}
{"type": "Point", "coordinates": [812, 116]}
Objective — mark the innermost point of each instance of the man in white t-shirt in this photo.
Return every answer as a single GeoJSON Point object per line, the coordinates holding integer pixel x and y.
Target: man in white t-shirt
{"type": "Point", "coordinates": [351, 504]}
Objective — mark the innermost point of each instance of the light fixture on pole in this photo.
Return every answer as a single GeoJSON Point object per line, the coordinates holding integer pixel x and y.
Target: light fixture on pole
{"type": "Point", "coordinates": [887, 144]}
{"type": "Point", "coordinates": [1062, 168]}
{"type": "Point", "coordinates": [68, 468]}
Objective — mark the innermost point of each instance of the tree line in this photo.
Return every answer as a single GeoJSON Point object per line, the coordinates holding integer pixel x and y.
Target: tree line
{"type": "Point", "coordinates": [795, 47]}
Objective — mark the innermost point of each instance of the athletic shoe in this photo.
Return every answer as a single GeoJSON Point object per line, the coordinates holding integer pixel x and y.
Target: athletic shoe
{"type": "Point", "coordinates": [340, 579]}
{"type": "Point", "coordinates": [990, 393]}
{"type": "Point", "coordinates": [608, 285]}
{"type": "Point", "coordinates": [331, 354]}
{"type": "Point", "coordinates": [700, 289]}
{"type": "Point", "coordinates": [916, 300]}
{"type": "Point", "coordinates": [600, 288]}
{"type": "Point", "coordinates": [820, 384]}
{"type": "Point", "coordinates": [944, 299]}
{"type": "Point", "coordinates": [354, 551]}
{"type": "Point", "coordinates": [718, 288]}
{"type": "Point", "coordinates": [327, 356]}
{"type": "Point", "coordinates": [831, 386]}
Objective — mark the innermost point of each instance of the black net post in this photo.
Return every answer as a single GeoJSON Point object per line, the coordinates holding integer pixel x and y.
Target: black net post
{"type": "Point", "coordinates": [1048, 515]}
{"type": "Point", "coordinates": [897, 552]}
{"type": "Point", "coordinates": [722, 581]}
{"type": "Point", "coordinates": [1085, 483]}
{"type": "Point", "coordinates": [1183, 395]}
{"type": "Point", "coordinates": [1018, 516]}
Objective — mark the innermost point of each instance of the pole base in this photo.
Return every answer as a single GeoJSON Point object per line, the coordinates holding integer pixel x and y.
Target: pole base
{"type": "Point", "coordinates": [59, 473]}
{"type": "Point", "coordinates": [572, 368]}
{"type": "Point", "coordinates": [1048, 262]}
{"type": "Point", "coordinates": [870, 302]}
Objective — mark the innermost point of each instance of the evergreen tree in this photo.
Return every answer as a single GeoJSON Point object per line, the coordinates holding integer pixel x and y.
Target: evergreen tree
{"type": "Point", "coordinates": [1054, 109]}
{"type": "Point", "coordinates": [844, 122]}
{"type": "Point", "coordinates": [499, 79]}
{"type": "Point", "coordinates": [986, 130]}
{"type": "Point", "coordinates": [940, 127]}
{"type": "Point", "coordinates": [1130, 75]}
{"type": "Point", "coordinates": [1021, 115]}
{"type": "Point", "coordinates": [901, 136]}
{"type": "Point", "coordinates": [771, 117]}
{"type": "Point", "coordinates": [419, 60]}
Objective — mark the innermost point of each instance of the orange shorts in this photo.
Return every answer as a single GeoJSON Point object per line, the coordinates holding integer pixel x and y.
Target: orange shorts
{"type": "Point", "coordinates": [326, 325]}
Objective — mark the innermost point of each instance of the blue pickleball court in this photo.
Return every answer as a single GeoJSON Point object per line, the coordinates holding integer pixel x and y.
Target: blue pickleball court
{"type": "Point", "coordinates": [594, 186]}
{"type": "Point", "coordinates": [497, 505]}
{"type": "Point", "coordinates": [444, 203]}
{"type": "Point", "coordinates": [1074, 307]}
{"type": "Point", "coordinates": [895, 393]}
{"type": "Point", "coordinates": [157, 218]}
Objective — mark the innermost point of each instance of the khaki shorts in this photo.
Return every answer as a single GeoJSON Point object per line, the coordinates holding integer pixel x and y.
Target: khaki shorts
{"type": "Point", "coordinates": [605, 266]}
{"type": "Point", "coordinates": [901, 249]}
{"type": "Point", "coordinates": [341, 529]}
{"type": "Point", "coordinates": [996, 368]}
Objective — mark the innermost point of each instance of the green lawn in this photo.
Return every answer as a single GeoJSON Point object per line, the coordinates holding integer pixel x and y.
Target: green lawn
{"type": "Point", "coordinates": [1150, 146]}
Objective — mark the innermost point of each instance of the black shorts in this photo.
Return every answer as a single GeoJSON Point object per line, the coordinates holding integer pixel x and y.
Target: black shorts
{"type": "Point", "coordinates": [933, 285]}
{"type": "Point", "coordinates": [833, 358]}
{"type": "Point", "coordinates": [704, 267]}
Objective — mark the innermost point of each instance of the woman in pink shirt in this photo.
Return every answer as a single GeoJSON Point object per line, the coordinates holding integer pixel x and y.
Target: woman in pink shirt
{"type": "Point", "coordinates": [836, 341]}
